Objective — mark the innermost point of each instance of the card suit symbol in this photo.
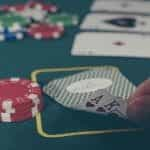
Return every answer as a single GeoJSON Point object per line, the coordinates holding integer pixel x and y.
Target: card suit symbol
{"type": "Point", "coordinates": [100, 109]}
{"type": "Point", "coordinates": [125, 22]}
{"type": "Point", "coordinates": [97, 99]}
{"type": "Point", "coordinates": [119, 43]}
{"type": "Point", "coordinates": [89, 104]}
{"type": "Point", "coordinates": [143, 23]}
{"type": "Point", "coordinates": [112, 105]}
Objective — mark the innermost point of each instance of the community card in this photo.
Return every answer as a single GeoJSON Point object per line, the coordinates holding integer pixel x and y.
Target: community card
{"type": "Point", "coordinates": [103, 87]}
{"type": "Point", "coordinates": [111, 44]}
{"type": "Point", "coordinates": [116, 22]}
{"type": "Point", "coordinates": [122, 6]}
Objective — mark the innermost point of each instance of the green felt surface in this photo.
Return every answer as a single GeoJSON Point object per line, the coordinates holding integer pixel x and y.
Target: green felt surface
{"type": "Point", "coordinates": [20, 58]}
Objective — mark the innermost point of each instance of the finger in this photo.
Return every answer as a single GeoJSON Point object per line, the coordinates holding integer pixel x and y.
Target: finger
{"type": "Point", "coordinates": [142, 89]}
{"type": "Point", "coordinates": [139, 110]}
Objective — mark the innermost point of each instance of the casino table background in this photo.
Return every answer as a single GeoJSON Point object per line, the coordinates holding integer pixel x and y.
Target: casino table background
{"type": "Point", "coordinates": [20, 58]}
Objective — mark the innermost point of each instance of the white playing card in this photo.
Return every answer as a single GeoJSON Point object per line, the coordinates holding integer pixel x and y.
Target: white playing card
{"type": "Point", "coordinates": [111, 44]}
{"type": "Point", "coordinates": [116, 22]}
{"type": "Point", "coordinates": [122, 6]}
{"type": "Point", "coordinates": [103, 103]}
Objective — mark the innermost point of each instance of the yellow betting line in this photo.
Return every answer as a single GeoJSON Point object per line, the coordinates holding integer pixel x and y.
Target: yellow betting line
{"type": "Point", "coordinates": [39, 123]}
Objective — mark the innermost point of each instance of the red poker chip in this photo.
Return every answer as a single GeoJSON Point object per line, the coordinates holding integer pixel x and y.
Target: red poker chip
{"type": "Point", "coordinates": [4, 8]}
{"type": "Point", "coordinates": [50, 8]}
{"type": "Point", "coordinates": [20, 116]}
{"type": "Point", "coordinates": [17, 7]}
{"type": "Point", "coordinates": [27, 110]}
{"type": "Point", "coordinates": [45, 7]}
{"type": "Point", "coordinates": [24, 108]}
{"type": "Point", "coordinates": [21, 111]}
{"type": "Point", "coordinates": [21, 7]}
{"type": "Point", "coordinates": [45, 31]}
{"type": "Point", "coordinates": [16, 92]}
{"type": "Point", "coordinates": [23, 117]}
{"type": "Point", "coordinates": [18, 108]}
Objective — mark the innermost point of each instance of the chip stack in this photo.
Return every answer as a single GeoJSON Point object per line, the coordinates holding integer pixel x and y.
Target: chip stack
{"type": "Point", "coordinates": [20, 99]}
{"type": "Point", "coordinates": [36, 11]}
{"type": "Point", "coordinates": [45, 31]}
{"type": "Point", "coordinates": [33, 19]}
{"type": "Point", "coordinates": [50, 8]}
{"type": "Point", "coordinates": [12, 26]}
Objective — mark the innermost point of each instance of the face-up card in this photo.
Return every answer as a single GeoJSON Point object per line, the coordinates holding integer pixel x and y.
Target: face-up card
{"type": "Point", "coordinates": [122, 6]}
{"type": "Point", "coordinates": [98, 87]}
{"type": "Point", "coordinates": [103, 103]}
{"type": "Point", "coordinates": [116, 22]}
{"type": "Point", "coordinates": [111, 44]}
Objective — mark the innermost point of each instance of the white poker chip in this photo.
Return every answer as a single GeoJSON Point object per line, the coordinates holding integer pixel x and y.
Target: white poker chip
{"type": "Point", "coordinates": [15, 27]}
{"type": "Point", "coordinates": [38, 36]}
{"type": "Point", "coordinates": [56, 35]}
{"type": "Point", "coordinates": [19, 36]}
{"type": "Point", "coordinates": [35, 14]}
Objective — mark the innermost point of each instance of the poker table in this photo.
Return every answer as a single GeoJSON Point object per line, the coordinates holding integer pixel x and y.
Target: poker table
{"type": "Point", "coordinates": [58, 127]}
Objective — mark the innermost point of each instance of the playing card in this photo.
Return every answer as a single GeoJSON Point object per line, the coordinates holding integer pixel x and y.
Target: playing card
{"type": "Point", "coordinates": [105, 83]}
{"type": "Point", "coordinates": [122, 6]}
{"type": "Point", "coordinates": [116, 22]}
{"type": "Point", "coordinates": [111, 44]}
{"type": "Point", "coordinates": [103, 103]}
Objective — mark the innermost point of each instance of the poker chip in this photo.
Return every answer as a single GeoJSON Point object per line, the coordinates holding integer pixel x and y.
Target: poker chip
{"type": "Point", "coordinates": [12, 21]}
{"type": "Point", "coordinates": [45, 31]}
{"type": "Point", "coordinates": [7, 35]}
{"type": "Point", "coordinates": [62, 19]}
{"type": "Point", "coordinates": [34, 14]}
{"type": "Point", "coordinates": [20, 99]}
{"type": "Point", "coordinates": [21, 108]}
{"type": "Point", "coordinates": [44, 7]}
{"type": "Point", "coordinates": [16, 8]}
{"type": "Point", "coordinates": [6, 117]}
{"type": "Point", "coordinates": [34, 5]}
{"type": "Point", "coordinates": [4, 8]}
{"type": "Point", "coordinates": [38, 19]}
{"type": "Point", "coordinates": [32, 10]}
{"type": "Point", "coordinates": [18, 91]}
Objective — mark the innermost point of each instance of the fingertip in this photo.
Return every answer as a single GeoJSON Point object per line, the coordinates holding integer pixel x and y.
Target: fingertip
{"type": "Point", "coordinates": [138, 110]}
{"type": "Point", "coordinates": [142, 89]}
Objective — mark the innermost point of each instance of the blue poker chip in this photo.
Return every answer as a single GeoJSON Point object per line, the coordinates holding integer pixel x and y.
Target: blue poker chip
{"type": "Point", "coordinates": [14, 28]}
{"type": "Point", "coordinates": [7, 35]}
